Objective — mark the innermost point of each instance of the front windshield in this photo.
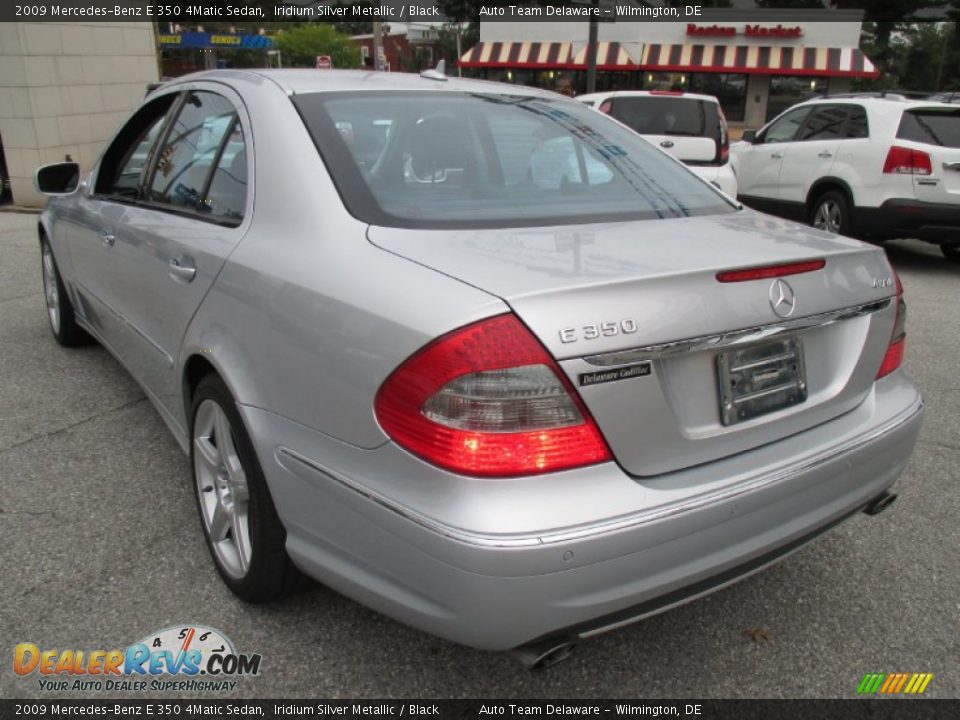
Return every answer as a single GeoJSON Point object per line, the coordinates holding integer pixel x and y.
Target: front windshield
{"type": "Point", "coordinates": [451, 159]}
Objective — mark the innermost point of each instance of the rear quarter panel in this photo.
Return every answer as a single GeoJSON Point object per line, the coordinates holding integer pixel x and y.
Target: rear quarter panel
{"type": "Point", "coordinates": [307, 318]}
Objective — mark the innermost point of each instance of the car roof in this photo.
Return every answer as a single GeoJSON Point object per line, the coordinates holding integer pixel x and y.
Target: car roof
{"type": "Point", "coordinates": [647, 93]}
{"type": "Point", "coordinates": [297, 81]}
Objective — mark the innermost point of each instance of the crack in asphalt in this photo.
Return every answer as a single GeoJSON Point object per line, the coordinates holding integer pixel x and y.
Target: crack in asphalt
{"type": "Point", "coordinates": [71, 426]}
{"type": "Point", "coordinates": [31, 513]}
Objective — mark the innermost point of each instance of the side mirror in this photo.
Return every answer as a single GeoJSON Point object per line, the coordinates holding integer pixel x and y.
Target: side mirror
{"type": "Point", "coordinates": [57, 179]}
{"type": "Point", "coordinates": [749, 136]}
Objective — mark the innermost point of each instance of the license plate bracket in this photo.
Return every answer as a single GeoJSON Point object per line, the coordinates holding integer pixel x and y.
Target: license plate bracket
{"type": "Point", "coordinates": [761, 378]}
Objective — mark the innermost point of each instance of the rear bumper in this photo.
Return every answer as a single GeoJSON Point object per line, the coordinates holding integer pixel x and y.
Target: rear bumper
{"type": "Point", "coordinates": [499, 590]}
{"type": "Point", "coordinates": [934, 222]}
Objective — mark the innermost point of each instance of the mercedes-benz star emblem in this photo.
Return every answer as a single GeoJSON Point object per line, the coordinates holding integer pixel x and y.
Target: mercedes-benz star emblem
{"type": "Point", "coordinates": [782, 299]}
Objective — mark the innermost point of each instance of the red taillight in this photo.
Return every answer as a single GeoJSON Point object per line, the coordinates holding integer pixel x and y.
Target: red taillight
{"type": "Point", "coordinates": [898, 340]}
{"type": "Point", "coordinates": [904, 161]}
{"type": "Point", "coordinates": [605, 106]}
{"type": "Point", "coordinates": [488, 400]}
{"type": "Point", "coordinates": [770, 271]}
{"type": "Point", "coordinates": [665, 92]}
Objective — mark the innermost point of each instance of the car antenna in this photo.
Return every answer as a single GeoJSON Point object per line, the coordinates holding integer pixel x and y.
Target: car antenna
{"type": "Point", "coordinates": [436, 73]}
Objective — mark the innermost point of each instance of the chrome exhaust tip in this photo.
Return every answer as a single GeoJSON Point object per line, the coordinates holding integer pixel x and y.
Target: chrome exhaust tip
{"type": "Point", "coordinates": [540, 656]}
{"type": "Point", "coordinates": [879, 504]}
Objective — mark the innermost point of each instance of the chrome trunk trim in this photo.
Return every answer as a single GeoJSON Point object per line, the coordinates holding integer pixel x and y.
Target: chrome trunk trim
{"type": "Point", "coordinates": [734, 337]}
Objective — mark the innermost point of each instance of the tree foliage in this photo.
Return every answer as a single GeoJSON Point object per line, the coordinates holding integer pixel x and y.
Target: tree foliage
{"type": "Point", "coordinates": [300, 45]}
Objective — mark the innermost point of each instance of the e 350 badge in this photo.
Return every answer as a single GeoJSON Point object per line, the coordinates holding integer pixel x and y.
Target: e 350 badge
{"type": "Point", "coordinates": [179, 658]}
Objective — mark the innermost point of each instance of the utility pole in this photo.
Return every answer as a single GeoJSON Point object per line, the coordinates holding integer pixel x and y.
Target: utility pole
{"type": "Point", "coordinates": [377, 45]}
{"type": "Point", "coordinates": [592, 49]}
{"type": "Point", "coordinates": [459, 48]}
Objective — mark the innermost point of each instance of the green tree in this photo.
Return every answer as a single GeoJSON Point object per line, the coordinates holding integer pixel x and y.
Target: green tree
{"type": "Point", "coordinates": [928, 45]}
{"type": "Point", "coordinates": [301, 44]}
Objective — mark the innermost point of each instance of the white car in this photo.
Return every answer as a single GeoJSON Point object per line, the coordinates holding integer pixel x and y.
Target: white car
{"type": "Point", "coordinates": [690, 127]}
{"type": "Point", "coordinates": [870, 167]}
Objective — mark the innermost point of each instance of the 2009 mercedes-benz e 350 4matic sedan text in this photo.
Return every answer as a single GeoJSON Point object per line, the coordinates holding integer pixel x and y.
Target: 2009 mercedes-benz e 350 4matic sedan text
{"type": "Point", "coordinates": [474, 354]}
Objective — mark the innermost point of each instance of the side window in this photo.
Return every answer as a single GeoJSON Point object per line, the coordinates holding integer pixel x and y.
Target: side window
{"type": "Point", "coordinates": [227, 196]}
{"type": "Point", "coordinates": [126, 159]}
{"type": "Point", "coordinates": [190, 151]}
{"type": "Point", "coordinates": [785, 129]}
{"type": "Point", "coordinates": [857, 127]}
{"type": "Point", "coordinates": [825, 123]}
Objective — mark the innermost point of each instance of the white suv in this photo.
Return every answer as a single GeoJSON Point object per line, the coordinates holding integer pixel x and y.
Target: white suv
{"type": "Point", "coordinates": [690, 127]}
{"type": "Point", "coordinates": [870, 167]}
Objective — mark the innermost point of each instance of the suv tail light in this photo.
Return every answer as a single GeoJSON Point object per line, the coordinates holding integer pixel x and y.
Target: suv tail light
{"type": "Point", "coordinates": [904, 161]}
{"type": "Point", "coordinates": [898, 340]}
{"type": "Point", "coordinates": [488, 400]}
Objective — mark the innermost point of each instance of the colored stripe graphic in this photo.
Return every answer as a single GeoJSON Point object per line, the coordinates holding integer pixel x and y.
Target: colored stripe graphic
{"type": "Point", "coordinates": [894, 683]}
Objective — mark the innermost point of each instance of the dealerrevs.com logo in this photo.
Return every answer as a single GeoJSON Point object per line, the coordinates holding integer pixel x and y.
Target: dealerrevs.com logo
{"type": "Point", "coordinates": [189, 658]}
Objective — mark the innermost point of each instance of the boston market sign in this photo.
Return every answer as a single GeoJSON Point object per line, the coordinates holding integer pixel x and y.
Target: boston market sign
{"type": "Point", "coordinates": [749, 30]}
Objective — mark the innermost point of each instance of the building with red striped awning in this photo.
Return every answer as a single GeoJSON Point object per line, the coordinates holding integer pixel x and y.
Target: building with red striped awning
{"type": "Point", "coordinates": [758, 59]}
{"type": "Point", "coordinates": [610, 56]}
{"type": "Point", "coordinates": [756, 62]}
{"type": "Point", "coordinates": [530, 55]}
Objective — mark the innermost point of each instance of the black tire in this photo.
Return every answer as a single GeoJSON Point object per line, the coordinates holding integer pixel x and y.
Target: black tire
{"type": "Point", "coordinates": [60, 315]}
{"type": "Point", "coordinates": [269, 574]}
{"type": "Point", "coordinates": [831, 212]}
{"type": "Point", "coordinates": [951, 252]}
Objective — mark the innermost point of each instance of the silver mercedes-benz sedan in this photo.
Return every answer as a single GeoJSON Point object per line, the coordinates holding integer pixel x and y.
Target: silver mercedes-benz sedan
{"type": "Point", "coordinates": [473, 354]}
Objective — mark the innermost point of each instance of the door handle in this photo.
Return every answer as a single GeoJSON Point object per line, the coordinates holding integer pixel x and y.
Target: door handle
{"type": "Point", "coordinates": [107, 238]}
{"type": "Point", "coordinates": [182, 268]}
{"type": "Point", "coordinates": [825, 154]}
{"type": "Point", "coordinates": [776, 155]}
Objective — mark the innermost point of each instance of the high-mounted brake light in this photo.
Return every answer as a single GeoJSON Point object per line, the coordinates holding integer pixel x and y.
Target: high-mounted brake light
{"type": "Point", "coordinates": [770, 271]}
{"type": "Point", "coordinates": [904, 161]}
{"type": "Point", "coordinates": [488, 400]}
{"type": "Point", "coordinates": [898, 339]}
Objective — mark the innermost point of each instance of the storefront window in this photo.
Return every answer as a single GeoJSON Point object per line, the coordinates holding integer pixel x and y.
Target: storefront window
{"type": "Point", "coordinates": [665, 81]}
{"type": "Point", "coordinates": [788, 90]}
{"type": "Point", "coordinates": [729, 88]}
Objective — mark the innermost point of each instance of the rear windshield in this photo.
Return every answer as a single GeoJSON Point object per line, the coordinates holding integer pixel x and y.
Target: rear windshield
{"type": "Point", "coordinates": [659, 115]}
{"type": "Point", "coordinates": [934, 126]}
{"type": "Point", "coordinates": [451, 159]}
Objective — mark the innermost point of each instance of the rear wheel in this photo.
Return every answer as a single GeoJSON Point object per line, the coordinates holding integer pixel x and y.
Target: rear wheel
{"type": "Point", "coordinates": [831, 213]}
{"type": "Point", "coordinates": [59, 309]}
{"type": "Point", "coordinates": [951, 252]}
{"type": "Point", "coordinates": [244, 534]}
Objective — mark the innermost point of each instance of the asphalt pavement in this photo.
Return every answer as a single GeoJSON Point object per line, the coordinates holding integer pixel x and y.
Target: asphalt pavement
{"type": "Point", "coordinates": [100, 546]}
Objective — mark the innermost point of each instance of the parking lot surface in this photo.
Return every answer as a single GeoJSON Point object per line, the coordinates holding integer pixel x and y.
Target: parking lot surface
{"type": "Point", "coordinates": [101, 546]}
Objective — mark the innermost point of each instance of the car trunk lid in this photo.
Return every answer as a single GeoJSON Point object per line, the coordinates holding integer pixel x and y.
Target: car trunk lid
{"type": "Point", "coordinates": [636, 316]}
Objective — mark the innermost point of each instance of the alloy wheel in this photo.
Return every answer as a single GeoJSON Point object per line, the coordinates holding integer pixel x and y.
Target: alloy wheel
{"type": "Point", "coordinates": [222, 489]}
{"type": "Point", "coordinates": [828, 217]}
{"type": "Point", "coordinates": [50, 291]}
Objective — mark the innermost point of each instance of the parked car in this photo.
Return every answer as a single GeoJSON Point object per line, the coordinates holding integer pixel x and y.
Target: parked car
{"type": "Point", "coordinates": [517, 379]}
{"type": "Point", "coordinates": [871, 167]}
{"type": "Point", "coordinates": [688, 126]}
